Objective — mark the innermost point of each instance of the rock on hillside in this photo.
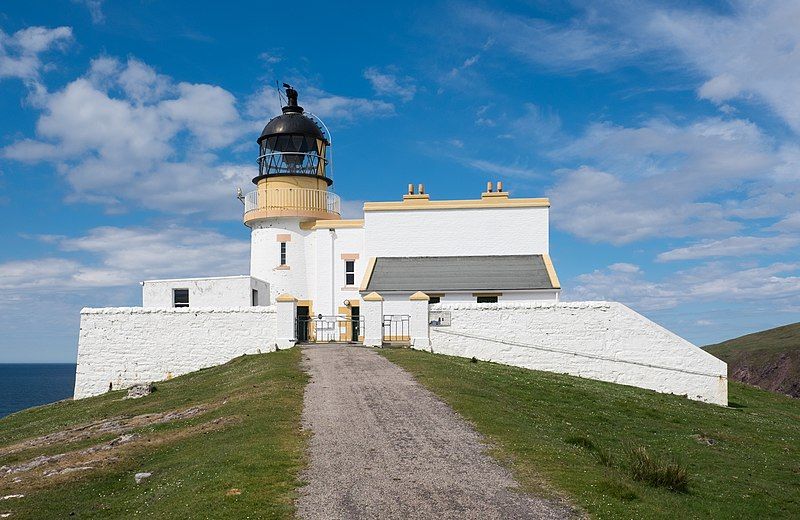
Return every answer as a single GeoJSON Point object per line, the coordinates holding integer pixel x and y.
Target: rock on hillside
{"type": "Point", "coordinates": [769, 359]}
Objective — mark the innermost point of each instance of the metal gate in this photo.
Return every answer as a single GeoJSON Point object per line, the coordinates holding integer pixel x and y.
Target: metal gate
{"type": "Point", "coordinates": [328, 329]}
{"type": "Point", "coordinates": [396, 328]}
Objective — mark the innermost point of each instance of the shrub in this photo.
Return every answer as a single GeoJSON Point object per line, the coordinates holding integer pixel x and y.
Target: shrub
{"type": "Point", "coordinates": [658, 472]}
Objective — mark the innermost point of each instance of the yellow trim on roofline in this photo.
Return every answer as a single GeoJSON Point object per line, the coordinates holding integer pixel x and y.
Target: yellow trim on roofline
{"type": "Point", "coordinates": [332, 224]}
{"type": "Point", "coordinates": [488, 202]}
{"type": "Point", "coordinates": [367, 275]}
{"type": "Point", "coordinates": [551, 271]}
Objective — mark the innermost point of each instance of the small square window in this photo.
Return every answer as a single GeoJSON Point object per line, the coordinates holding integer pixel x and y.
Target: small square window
{"type": "Point", "coordinates": [180, 297]}
{"type": "Point", "coordinates": [349, 272]}
{"type": "Point", "coordinates": [487, 299]}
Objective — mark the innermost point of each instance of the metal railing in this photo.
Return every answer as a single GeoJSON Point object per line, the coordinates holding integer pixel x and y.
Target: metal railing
{"type": "Point", "coordinates": [396, 328]}
{"type": "Point", "coordinates": [322, 329]}
{"type": "Point", "coordinates": [298, 199]}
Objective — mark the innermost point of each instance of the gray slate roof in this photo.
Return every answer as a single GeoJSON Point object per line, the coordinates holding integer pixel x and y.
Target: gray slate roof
{"type": "Point", "coordinates": [459, 273]}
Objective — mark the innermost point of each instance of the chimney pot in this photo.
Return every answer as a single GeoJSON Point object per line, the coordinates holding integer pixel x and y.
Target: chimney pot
{"type": "Point", "coordinates": [410, 189]}
{"type": "Point", "coordinates": [421, 189]}
{"type": "Point", "coordinates": [489, 187]}
{"type": "Point", "coordinates": [499, 186]}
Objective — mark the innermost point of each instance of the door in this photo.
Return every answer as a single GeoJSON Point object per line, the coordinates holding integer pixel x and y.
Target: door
{"type": "Point", "coordinates": [355, 323]}
{"type": "Point", "coordinates": [303, 323]}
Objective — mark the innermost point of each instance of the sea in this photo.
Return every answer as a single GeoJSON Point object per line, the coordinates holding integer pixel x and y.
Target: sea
{"type": "Point", "coordinates": [26, 385]}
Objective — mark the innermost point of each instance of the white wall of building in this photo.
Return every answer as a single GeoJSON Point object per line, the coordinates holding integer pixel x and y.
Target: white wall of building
{"type": "Point", "coordinates": [398, 303]}
{"type": "Point", "coordinates": [224, 291]}
{"type": "Point", "coordinates": [123, 346]}
{"type": "Point", "coordinates": [457, 232]}
{"type": "Point", "coordinates": [596, 340]}
{"type": "Point", "coordinates": [330, 289]}
{"type": "Point", "coordinates": [265, 257]}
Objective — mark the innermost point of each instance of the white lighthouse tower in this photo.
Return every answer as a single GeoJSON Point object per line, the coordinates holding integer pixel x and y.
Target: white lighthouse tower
{"type": "Point", "coordinates": [291, 194]}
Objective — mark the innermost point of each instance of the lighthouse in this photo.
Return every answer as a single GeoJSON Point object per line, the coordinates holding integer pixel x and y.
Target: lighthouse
{"type": "Point", "coordinates": [292, 191]}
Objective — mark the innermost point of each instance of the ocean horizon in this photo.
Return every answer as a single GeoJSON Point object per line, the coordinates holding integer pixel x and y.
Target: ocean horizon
{"type": "Point", "coordinates": [23, 385]}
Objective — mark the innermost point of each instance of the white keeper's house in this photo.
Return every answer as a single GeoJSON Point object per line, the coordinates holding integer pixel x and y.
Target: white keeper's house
{"type": "Point", "coordinates": [469, 278]}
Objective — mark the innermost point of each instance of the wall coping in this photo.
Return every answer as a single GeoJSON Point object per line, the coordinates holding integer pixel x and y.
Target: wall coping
{"type": "Point", "coordinates": [184, 310]}
{"type": "Point", "coordinates": [603, 305]}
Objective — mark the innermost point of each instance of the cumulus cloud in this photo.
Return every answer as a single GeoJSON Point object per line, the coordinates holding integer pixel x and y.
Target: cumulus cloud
{"type": "Point", "coordinates": [20, 53]}
{"type": "Point", "coordinates": [95, 8]}
{"type": "Point", "coordinates": [125, 134]}
{"type": "Point", "coordinates": [664, 179]}
{"type": "Point", "coordinates": [389, 83]}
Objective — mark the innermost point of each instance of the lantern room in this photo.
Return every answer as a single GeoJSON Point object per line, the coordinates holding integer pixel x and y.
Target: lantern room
{"type": "Point", "coordinates": [293, 144]}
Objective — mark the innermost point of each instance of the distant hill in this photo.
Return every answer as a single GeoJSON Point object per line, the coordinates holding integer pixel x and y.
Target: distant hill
{"type": "Point", "coordinates": [769, 359]}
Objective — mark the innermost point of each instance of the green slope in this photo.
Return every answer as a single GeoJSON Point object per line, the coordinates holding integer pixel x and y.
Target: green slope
{"type": "Point", "coordinates": [574, 436]}
{"type": "Point", "coordinates": [224, 442]}
{"type": "Point", "coordinates": [769, 359]}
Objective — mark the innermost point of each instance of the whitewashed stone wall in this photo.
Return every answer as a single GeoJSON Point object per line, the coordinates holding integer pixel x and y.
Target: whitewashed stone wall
{"type": "Point", "coordinates": [123, 346]}
{"type": "Point", "coordinates": [596, 340]}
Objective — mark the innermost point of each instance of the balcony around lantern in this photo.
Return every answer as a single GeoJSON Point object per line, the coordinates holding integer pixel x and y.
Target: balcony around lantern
{"type": "Point", "coordinates": [291, 202]}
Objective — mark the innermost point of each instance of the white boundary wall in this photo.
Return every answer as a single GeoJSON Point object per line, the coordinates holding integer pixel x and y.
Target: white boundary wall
{"type": "Point", "coordinates": [596, 340]}
{"type": "Point", "coordinates": [129, 345]}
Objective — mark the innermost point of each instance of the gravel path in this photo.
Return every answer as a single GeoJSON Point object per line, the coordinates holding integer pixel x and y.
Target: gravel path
{"type": "Point", "coordinates": [385, 447]}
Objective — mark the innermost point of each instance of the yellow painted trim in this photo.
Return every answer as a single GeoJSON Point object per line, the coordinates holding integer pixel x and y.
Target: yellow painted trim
{"type": "Point", "coordinates": [416, 196]}
{"type": "Point", "coordinates": [494, 195]}
{"type": "Point", "coordinates": [419, 296]}
{"type": "Point", "coordinates": [551, 271]}
{"type": "Point", "coordinates": [476, 294]}
{"type": "Point", "coordinates": [333, 224]}
{"type": "Point", "coordinates": [367, 274]}
{"type": "Point", "coordinates": [283, 237]}
{"type": "Point", "coordinates": [286, 298]}
{"type": "Point", "coordinates": [489, 202]}
{"type": "Point", "coordinates": [373, 297]}
{"type": "Point", "coordinates": [350, 256]}
{"type": "Point", "coordinates": [283, 267]}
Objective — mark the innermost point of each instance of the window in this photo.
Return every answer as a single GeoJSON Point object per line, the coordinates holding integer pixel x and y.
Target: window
{"type": "Point", "coordinates": [283, 253]}
{"type": "Point", "coordinates": [254, 298]}
{"type": "Point", "coordinates": [434, 299]}
{"type": "Point", "coordinates": [180, 297]}
{"type": "Point", "coordinates": [350, 272]}
{"type": "Point", "coordinates": [487, 299]}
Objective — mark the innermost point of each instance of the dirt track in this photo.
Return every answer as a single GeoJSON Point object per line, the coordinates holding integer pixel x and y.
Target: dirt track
{"type": "Point", "coordinates": [385, 447]}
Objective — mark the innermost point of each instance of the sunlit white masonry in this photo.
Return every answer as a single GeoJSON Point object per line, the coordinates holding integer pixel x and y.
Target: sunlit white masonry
{"type": "Point", "coordinates": [458, 277]}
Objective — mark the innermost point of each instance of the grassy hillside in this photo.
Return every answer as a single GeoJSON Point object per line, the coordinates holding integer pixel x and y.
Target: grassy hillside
{"type": "Point", "coordinates": [593, 441]}
{"type": "Point", "coordinates": [220, 443]}
{"type": "Point", "coordinates": [769, 359]}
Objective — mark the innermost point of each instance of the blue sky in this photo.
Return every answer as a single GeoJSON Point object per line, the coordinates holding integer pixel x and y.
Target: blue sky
{"type": "Point", "coordinates": [665, 135]}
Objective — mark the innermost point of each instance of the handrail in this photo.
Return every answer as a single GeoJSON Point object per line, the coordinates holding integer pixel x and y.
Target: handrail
{"type": "Point", "coordinates": [300, 199]}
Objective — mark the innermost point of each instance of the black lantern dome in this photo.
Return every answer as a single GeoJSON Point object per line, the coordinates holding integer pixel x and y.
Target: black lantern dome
{"type": "Point", "coordinates": [293, 144]}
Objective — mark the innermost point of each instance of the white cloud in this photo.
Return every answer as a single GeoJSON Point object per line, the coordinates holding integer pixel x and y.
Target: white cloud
{"type": "Point", "coordinates": [574, 45]}
{"type": "Point", "coordinates": [752, 51]}
{"type": "Point", "coordinates": [389, 83]}
{"type": "Point", "coordinates": [113, 257]}
{"type": "Point", "coordinates": [119, 136]}
{"type": "Point", "coordinates": [710, 282]}
{"type": "Point", "coordinates": [327, 106]}
{"type": "Point", "coordinates": [663, 179]}
{"type": "Point", "coordinates": [733, 246]}
{"type": "Point", "coordinates": [20, 52]}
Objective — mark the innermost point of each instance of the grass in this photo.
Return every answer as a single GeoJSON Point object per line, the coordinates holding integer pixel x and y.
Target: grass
{"type": "Point", "coordinates": [238, 457]}
{"type": "Point", "coordinates": [623, 452]}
